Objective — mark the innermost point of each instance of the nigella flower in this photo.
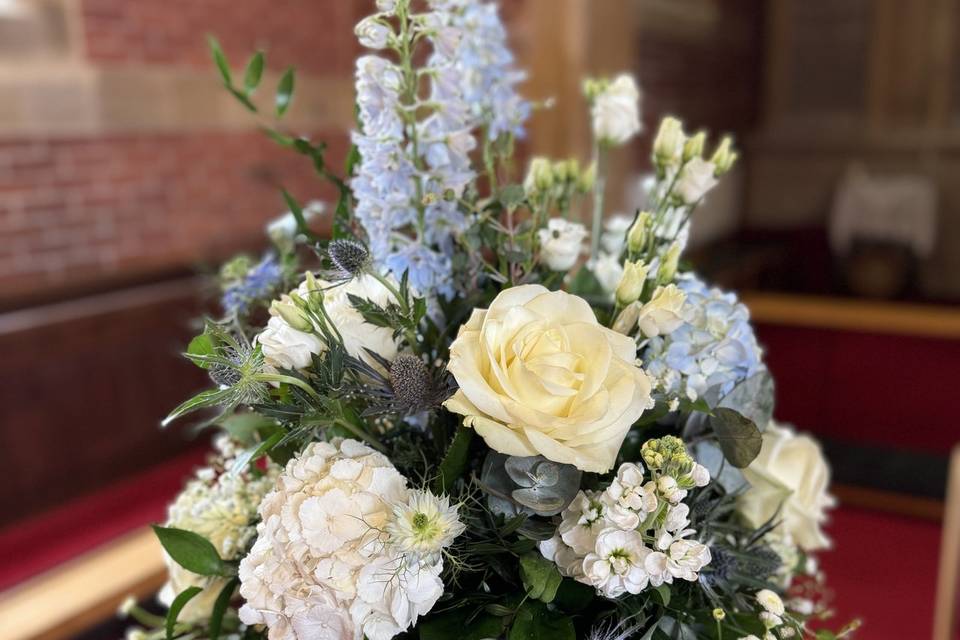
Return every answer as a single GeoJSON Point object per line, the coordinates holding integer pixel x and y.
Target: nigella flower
{"type": "Point", "coordinates": [424, 525]}
{"type": "Point", "coordinates": [257, 285]}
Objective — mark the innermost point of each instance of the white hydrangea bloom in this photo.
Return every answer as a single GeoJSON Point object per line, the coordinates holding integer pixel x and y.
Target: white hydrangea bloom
{"type": "Point", "coordinates": [323, 565]}
{"type": "Point", "coordinates": [221, 507]}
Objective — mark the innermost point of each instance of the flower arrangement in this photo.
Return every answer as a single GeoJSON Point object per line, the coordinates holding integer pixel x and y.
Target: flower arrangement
{"type": "Point", "coordinates": [443, 422]}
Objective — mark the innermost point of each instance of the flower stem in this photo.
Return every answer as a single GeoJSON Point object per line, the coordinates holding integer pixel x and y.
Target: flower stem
{"type": "Point", "coordinates": [600, 158]}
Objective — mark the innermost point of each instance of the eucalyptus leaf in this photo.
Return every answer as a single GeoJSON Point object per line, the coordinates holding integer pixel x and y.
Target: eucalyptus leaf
{"type": "Point", "coordinates": [177, 606]}
{"type": "Point", "coordinates": [737, 435]}
{"type": "Point", "coordinates": [511, 196]}
{"type": "Point", "coordinates": [191, 551]}
{"type": "Point", "coordinates": [708, 454]}
{"type": "Point", "coordinates": [754, 398]}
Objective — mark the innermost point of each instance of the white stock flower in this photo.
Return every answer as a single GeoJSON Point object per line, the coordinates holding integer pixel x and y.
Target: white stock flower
{"type": "Point", "coordinates": [317, 568]}
{"type": "Point", "coordinates": [683, 559]}
{"type": "Point", "coordinates": [630, 496]}
{"type": "Point", "coordinates": [608, 270]}
{"type": "Point", "coordinates": [770, 601]}
{"type": "Point", "coordinates": [582, 521]}
{"type": "Point", "coordinates": [425, 524]}
{"type": "Point", "coordinates": [539, 375]}
{"type": "Point", "coordinates": [372, 33]}
{"type": "Point", "coordinates": [222, 508]}
{"type": "Point", "coordinates": [616, 567]}
{"type": "Point", "coordinates": [561, 243]}
{"type": "Point", "coordinates": [697, 177]}
{"type": "Point", "coordinates": [568, 561]}
{"type": "Point", "coordinates": [616, 111]}
{"type": "Point", "coordinates": [792, 476]}
{"type": "Point", "coordinates": [663, 313]}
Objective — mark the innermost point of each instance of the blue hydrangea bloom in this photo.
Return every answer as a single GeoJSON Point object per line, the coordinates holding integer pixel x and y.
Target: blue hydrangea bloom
{"type": "Point", "coordinates": [715, 347]}
{"type": "Point", "coordinates": [259, 284]}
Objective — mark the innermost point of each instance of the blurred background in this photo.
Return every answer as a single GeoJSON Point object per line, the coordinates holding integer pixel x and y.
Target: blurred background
{"type": "Point", "coordinates": [126, 172]}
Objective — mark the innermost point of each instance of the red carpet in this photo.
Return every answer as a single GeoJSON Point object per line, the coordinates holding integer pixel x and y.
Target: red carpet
{"type": "Point", "coordinates": [883, 569]}
{"type": "Point", "coordinates": [38, 544]}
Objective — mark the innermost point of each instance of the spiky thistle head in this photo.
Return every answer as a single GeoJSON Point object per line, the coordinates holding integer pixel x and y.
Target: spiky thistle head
{"type": "Point", "coordinates": [349, 257]}
{"type": "Point", "coordinates": [410, 380]}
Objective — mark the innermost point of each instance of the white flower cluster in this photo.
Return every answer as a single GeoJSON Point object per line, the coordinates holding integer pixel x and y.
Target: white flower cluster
{"type": "Point", "coordinates": [713, 347]}
{"type": "Point", "coordinates": [221, 507]}
{"type": "Point", "coordinates": [633, 534]}
{"type": "Point", "coordinates": [326, 564]}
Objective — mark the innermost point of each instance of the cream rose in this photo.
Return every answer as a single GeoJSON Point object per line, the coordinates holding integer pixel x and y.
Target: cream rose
{"type": "Point", "coordinates": [663, 313]}
{"type": "Point", "coordinates": [790, 471]}
{"type": "Point", "coordinates": [539, 375]}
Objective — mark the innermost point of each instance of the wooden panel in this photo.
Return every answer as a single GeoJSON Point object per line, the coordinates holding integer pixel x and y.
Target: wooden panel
{"type": "Point", "coordinates": [83, 387]}
{"type": "Point", "coordinates": [948, 583]}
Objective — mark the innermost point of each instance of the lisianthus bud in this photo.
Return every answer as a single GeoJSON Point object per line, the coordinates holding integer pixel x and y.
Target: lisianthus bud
{"type": "Point", "coordinates": [668, 264]}
{"type": "Point", "coordinates": [693, 148]}
{"type": "Point", "coordinates": [724, 157]}
{"type": "Point", "coordinates": [669, 143]}
{"type": "Point", "coordinates": [631, 283]}
{"type": "Point", "coordinates": [637, 236]}
{"type": "Point", "coordinates": [292, 314]}
{"type": "Point", "coordinates": [539, 177]}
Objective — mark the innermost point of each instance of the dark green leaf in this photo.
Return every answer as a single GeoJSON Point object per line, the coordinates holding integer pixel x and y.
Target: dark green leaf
{"type": "Point", "coordinates": [663, 591]}
{"type": "Point", "coordinates": [454, 462]}
{"type": "Point", "coordinates": [738, 437]}
{"type": "Point", "coordinates": [371, 311]}
{"type": "Point", "coordinates": [454, 625]}
{"type": "Point", "coordinates": [573, 596]}
{"type": "Point", "coordinates": [535, 622]}
{"type": "Point", "coordinates": [220, 59]}
{"type": "Point", "coordinates": [253, 73]}
{"type": "Point", "coordinates": [285, 92]}
{"type": "Point", "coordinates": [220, 608]}
{"type": "Point", "coordinates": [191, 551]}
{"type": "Point", "coordinates": [177, 605]}
{"type": "Point", "coordinates": [540, 577]}
{"type": "Point", "coordinates": [754, 398]}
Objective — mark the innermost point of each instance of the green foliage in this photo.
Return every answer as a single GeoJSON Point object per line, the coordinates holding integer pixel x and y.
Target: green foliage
{"type": "Point", "coordinates": [540, 576]}
{"type": "Point", "coordinates": [534, 621]}
{"type": "Point", "coordinates": [177, 606]}
{"type": "Point", "coordinates": [201, 345]}
{"type": "Point", "coordinates": [253, 73]}
{"type": "Point", "coordinates": [284, 95]}
{"type": "Point", "coordinates": [738, 436]}
{"type": "Point", "coordinates": [192, 551]}
{"type": "Point", "coordinates": [220, 608]}
{"type": "Point", "coordinates": [454, 625]}
{"type": "Point", "coordinates": [297, 212]}
{"type": "Point", "coordinates": [454, 462]}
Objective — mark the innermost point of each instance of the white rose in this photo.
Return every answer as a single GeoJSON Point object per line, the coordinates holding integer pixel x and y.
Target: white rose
{"type": "Point", "coordinates": [287, 348]}
{"type": "Point", "coordinates": [616, 111]}
{"type": "Point", "coordinates": [663, 313]}
{"type": "Point", "coordinates": [539, 375]}
{"type": "Point", "coordinates": [608, 270]}
{"type": "Point", "coordinates": [372, 33]}
{"type": "Point", "coordinates": [696, 178]}
{"type": "Point", "coordinates": [790, 471]}
{"type": "Point", "coordinates": [561, 243]}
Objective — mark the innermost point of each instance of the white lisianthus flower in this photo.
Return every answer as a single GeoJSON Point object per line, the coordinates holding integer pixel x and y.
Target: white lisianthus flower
{"type": "Point", "coordinates": [663, 313]}
{"type": "Point", "coordinates": [292, 348]}
{"type": "Point", "coordinates": [283, 229]}
{"type": "Point", "coordinates": [608, 270]}
{"type": "Point", "coordinates": [616, 111]}
{"type": "Point", "coordinates": [561, 243]}
{"type": "Point", "coordinates": [287, 348]}
{"type": "Point", "coordinates": [616, 567]}
{"type": "Point", "coordinates": [425, 525]}
{"type": "Point", "coordinates": [317, 567]}
{"type": "Point", "coordinates": [372, 33]}
{"type": "Point", "coordinates": [790, 475]}
{"type": "Point", "coordinates": [696, 178]}
{"type": "Point", "coordinates": [770, 601]}
{"type": "Point", "coordinates": [615, 233]}
{"type": "Point", "coordinates": [222, 508]}
{"type": "Point", "coordinates": [538, 375]}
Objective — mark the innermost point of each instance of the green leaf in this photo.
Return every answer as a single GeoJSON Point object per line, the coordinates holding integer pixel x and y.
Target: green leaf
{"type": "Point", "coordinates": [535, 622]}
{"type": "Point", "coordinates": [208, 398]}
{"type": "Point", "coordinates": [220, 608]}
{"type": "Point", "coordinates": [243, 99]}
{"type": "Point", "coordinates": [573, 596]}
{"type": "Point", "coordinates": [754, 398]}
{"type": "Point", "coordinates": [177, 605]}
{"type": "Point", "coordinates": [243, 460]}
{"type": "Point", "coordinates": [737, 435]}
{"type": "Point", "coordinates": [191, 551]}
{"type": "Point", "coordinates": [371, 311]}
{"type": "Point", "coordinates": [454, 625]}
{"type": "Point", "coordinates": [511, 196]}
{"type": "Point", "coordinates": [454, 462]}
{"type": "Point", "coordinates": [285, 92]}
{"type": "Point", "coordinates": [220, 59]}
{"type": "Point", "coordinates": [663, 591]}
{"type": "Point", "coordinates": [297, 212]}
{"type": "Point", "coordinates": [540, 577]}
{"type": "Point", "coordinates": [244, 426]}
{"type": "Point", "coordinates": [253, 73]}
{"type": "Point", "coordinates": [201, 345]}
